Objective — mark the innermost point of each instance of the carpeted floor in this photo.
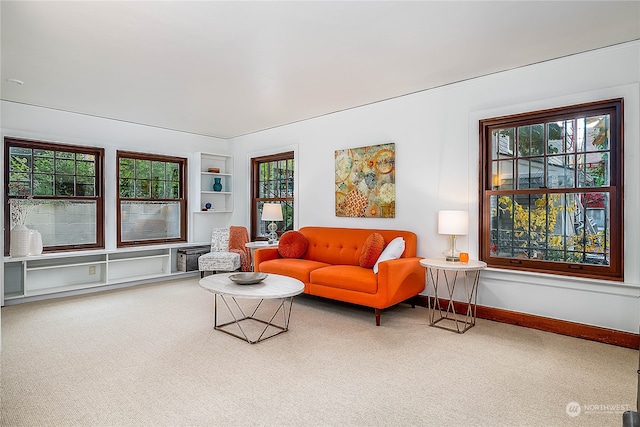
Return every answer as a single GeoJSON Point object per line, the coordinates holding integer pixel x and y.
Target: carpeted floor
{"type": "Point", "coordinates": [148, 356]}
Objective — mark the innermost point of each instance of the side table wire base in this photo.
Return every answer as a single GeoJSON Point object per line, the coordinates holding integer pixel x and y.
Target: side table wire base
{"type": "Point", "coordinates": [436, 311]}
{"type": "Point", "coordinates": [238, 314]}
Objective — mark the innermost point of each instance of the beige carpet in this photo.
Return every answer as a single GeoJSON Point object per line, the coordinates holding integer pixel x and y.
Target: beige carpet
{"type": "Point", "coordinates": [148, 356]}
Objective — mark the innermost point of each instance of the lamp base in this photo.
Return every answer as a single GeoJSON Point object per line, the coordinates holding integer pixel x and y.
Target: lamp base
{"type": "Point", "coordinates": [452, 255]}
{"type": "Point", "coordinates": [273, 236]}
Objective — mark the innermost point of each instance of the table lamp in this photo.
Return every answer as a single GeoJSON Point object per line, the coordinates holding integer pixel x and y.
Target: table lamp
{"type": "Point", "coordinates": [272, 212]}
{"type": "Point", "coordinates": [453, 223]}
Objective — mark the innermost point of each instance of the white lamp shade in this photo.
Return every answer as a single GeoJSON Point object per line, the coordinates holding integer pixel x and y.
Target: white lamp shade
{"type": "Point", "coordinates": [272, 212]}
{"type": "Point", "coordinates": [453, 222]}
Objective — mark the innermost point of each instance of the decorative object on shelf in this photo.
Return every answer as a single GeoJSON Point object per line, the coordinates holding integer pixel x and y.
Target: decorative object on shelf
{"type": "Point", "coordinates": [272, 212]}
{"type": "Point", "coordinates": [217, 184]}
{"type": "Point", "coordinates": [208, 206]}
{"type": "Point", "coordinates": [19, 241]}
{"type": "Point", "coordinates": [20, 209]}
{"type": "Point", "coordinates": [35, 242]}
{"type": "Point", "coordinates": [214, 170]}
{"type": "Point", "coordinates": [365, 182]}
{"type": "Point", "coordinates": [454, 223]}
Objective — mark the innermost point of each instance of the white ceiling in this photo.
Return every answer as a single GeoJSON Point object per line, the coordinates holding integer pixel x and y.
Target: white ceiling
{"type": "Point", "coordinates": [226, 69]}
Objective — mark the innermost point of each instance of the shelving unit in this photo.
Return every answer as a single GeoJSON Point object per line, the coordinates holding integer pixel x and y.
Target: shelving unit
{"type": "Point", "coordinates": [202, 192]}
{"type": "Point", "coordinates": [139, 265]}
{"type": "Point", "coordinates": [46, 274]}
{"type": "Point", "coordinates": [221, 200]}
{"type": "Point", "coordinates": [64, 274]}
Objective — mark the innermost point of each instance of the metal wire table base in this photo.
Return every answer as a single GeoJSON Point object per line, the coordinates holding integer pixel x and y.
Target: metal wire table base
{"type": "Point", "coordinates": [461, 321]}
{"type": "Point", "coordinates": [283, 309]}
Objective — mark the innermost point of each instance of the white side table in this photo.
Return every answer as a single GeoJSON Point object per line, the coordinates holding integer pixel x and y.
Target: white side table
{"type": "Point", "coordinates": [256, 245]}
{"type": "Point", "coordinates": [451, 273]}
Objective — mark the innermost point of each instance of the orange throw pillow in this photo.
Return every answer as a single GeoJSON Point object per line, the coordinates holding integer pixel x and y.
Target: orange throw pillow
{"type": "Point", "coordinates": [292, 244]}
{"type": "Point", "coordinates": [371, 250]}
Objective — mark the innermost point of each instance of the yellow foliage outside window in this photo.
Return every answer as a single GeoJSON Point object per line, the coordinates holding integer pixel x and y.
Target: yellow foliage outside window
{"type": "Point", "coordinates": [535, 228]}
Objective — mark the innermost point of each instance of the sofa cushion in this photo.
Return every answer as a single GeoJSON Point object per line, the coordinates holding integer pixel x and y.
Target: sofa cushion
{"type": "Point", "coordinates": [292, 267]}
{"type": "Point", "coordinates": [292, 244]}
{"type": "Point", "coordinates": [393, 251]}
{"type": "Point", "coordinates": [371, 250]}
{"type": "Point", "coordinates": [349, 277]}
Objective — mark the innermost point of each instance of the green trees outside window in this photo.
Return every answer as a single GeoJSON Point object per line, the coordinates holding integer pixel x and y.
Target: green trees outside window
{"type": "Point", "coordinates": [146, 179]}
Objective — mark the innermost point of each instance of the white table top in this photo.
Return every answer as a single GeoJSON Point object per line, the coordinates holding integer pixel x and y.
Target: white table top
{"type": "Point", "coordinates": [274, 286]}
{"type": "Point", "coordinates": [443, 264]}
{"type": "Point", "coordinates": [260, 244]}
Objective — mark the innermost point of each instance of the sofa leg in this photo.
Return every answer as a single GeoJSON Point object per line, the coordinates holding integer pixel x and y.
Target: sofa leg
{"type": "Point", "coordinates": [201, 274]}
{"type": "Point", "coordinates": [378, 311]}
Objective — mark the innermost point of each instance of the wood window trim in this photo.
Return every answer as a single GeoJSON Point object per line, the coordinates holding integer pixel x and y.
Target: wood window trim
{"type": "Point", "coordinates": [255, 162]}
{"type": "Point", "coordinates": [182, 199]}
{"type": "Point", "coordinates": [615, 270]}
{"type": "Point", "coordinates": [98, 198]}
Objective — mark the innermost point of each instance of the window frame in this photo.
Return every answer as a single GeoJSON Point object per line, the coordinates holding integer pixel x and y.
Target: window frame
{"type": "Point", "coordinates": [255, 191]}
{"type": "Point", "coordinates": [182, 199]}
{"type": "Point", "coordinates": [98, 197]}
{"type": "Point", "coordinates": [615, 269]}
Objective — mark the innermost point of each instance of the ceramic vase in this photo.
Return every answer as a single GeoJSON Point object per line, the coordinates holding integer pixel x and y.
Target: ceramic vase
{"type": "Point", "coordinates": [217, 184]}
{"type": "Point", "coordinates": [19, 241]}
{"type": "Point", "coordinates": [35, 242]}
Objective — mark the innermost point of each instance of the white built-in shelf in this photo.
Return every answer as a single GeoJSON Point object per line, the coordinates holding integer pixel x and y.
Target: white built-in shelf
{"type": "Point", "coordinates": [221, 200]}
{"type": "Point", "coordinates": [51, 273]}
{"type": "Point", "coordinates": [212, 211]}
{"type": "Point", "coordinates": [215, 173]}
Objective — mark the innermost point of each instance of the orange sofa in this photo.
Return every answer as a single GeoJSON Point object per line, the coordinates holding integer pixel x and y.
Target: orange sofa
{"type": "Point", "coordinates": [330, 268]}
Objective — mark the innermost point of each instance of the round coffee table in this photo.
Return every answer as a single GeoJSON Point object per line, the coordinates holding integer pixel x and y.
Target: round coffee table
{"type": "Point", "coordinates": [274, 287]}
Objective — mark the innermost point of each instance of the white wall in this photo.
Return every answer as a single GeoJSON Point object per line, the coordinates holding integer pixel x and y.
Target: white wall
{"type": "Point", "coordinates": [45, 124]}
{"type": "Point", "coordinates": [437, 148]}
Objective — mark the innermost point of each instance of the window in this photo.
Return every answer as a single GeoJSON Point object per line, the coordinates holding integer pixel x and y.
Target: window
{"type": "Point", "coordinates": [58, 189]}
{"type": "Point", "coordinates": [272, 182]}
{"type": "Point", "coordinates": [151, 198]}
{"type": "Point", "coordinates": [551, 191]}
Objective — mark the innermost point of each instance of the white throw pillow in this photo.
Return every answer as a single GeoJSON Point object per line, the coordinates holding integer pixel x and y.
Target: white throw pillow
{"type": "Point", "coordinates": [394, 250]}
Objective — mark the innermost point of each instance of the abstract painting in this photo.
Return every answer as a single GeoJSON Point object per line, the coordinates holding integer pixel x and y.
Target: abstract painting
{"type": "Point", "coordinates": [366, 181]}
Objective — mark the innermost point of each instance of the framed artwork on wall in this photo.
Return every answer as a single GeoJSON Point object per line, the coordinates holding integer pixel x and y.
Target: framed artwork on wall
{"type": "Point", "coordinates": [365, 181]}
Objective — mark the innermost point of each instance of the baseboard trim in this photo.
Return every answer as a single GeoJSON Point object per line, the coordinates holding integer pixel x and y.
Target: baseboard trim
{"type": "Point", "coordinates": [562, 327]}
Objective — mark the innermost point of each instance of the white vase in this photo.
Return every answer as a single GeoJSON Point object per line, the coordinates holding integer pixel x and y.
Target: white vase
{"type": "Point", "coordinates": [35, 242]}
{"type": "Point", "coordinates": [19, 241]}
